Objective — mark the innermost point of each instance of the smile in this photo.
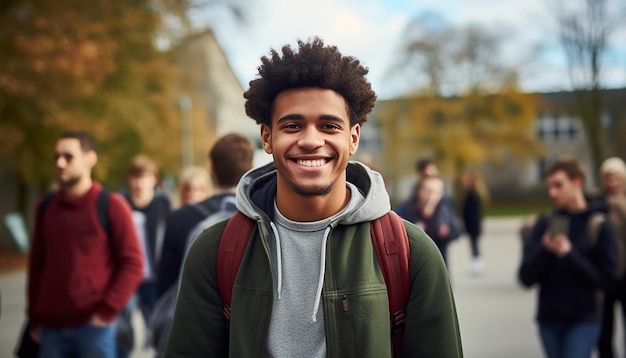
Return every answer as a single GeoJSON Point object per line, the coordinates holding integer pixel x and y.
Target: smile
{"type": "Point", "coordinates": [311, 163]}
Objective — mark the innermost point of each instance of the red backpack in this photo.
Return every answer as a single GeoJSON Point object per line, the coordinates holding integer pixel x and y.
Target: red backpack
{"type": "Point", "coordinates": [392, 249]}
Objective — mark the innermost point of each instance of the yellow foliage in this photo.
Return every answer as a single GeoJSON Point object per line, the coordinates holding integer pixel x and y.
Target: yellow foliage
{"type": "Point", "coordinates": [458, 132]}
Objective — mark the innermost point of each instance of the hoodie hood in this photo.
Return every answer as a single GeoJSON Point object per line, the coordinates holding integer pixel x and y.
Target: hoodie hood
{"type": "Point", "coordinates": [256, 192]}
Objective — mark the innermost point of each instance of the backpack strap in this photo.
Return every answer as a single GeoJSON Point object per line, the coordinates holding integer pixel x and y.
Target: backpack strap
{"type": "Point", "coordinates": [229, 255]}
{"type": "Point", "coordinates": [594, 224]}
{"type": "Point", "coordinates": [392, 249]}
{"type": "Point", "coordinates": [199, 209]}
{"type": "Point", "coordinates": [44, 204]}
{"type": "Point", "coordinates": [102, 207]}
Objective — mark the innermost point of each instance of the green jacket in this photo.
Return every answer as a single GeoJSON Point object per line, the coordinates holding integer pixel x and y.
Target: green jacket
{"type": "Point", "coordinates": [354, 297]}
{"type": "Point", "coordinates": [431, 327]}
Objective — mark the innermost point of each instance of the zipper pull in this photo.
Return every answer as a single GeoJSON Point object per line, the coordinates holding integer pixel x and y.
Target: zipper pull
{"type": "Point", "coordinates": [344, 302]}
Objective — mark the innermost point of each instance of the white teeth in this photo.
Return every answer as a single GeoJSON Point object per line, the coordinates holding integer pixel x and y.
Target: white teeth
{"type": "Point", "coordinates": [311, 163]}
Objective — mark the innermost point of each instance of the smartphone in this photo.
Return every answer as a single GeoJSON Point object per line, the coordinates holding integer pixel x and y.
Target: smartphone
{"type": "Point", "coordinates": [559, 224]}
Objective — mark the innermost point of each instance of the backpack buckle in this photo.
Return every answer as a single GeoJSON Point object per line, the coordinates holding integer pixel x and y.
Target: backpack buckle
{"type": "Point", "coordinates": [397, 322]}
{"type": "Point", "coordinates": [226, 311]}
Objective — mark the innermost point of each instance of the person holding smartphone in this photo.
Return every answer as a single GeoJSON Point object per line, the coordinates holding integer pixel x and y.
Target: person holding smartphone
{"type": "Point", "coordinates": [572, 255]}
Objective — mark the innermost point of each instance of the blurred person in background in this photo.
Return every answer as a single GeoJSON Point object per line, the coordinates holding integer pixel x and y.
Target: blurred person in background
{"type": "Point", "coordinates": [150, 207]}
{"type": "Point", "coordinates": [613, 175]}
{"type": "Point", "coordinates": [229, 158]}
{"type": "Point", "coordinates": [571, 254]}
{"type": "Point", "coordinates": [424, 167]}
{"type": "Point", "coordinates": [472, 211]}
{"type": "Point", "coordinates": [80, 274]}
{"type": "Point", "coordinates": [194, 186]}
{"type": "Point", "coordinates": [431, 213]}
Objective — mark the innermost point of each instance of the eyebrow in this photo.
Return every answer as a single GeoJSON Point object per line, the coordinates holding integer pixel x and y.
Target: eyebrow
{"type": "Point", "coordinates": [325, 117]}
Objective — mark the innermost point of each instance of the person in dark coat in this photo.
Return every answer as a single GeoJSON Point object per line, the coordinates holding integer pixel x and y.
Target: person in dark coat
{"type": "Point", "coordinates": [433, 214]}
{"type": "Point", "coordinates": [472, 219]}
{"type": "Point", "coordinates": [572, 255]}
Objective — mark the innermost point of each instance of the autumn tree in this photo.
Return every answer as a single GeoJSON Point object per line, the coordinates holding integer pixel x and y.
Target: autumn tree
{"type": "Point", "coordinates": [465, 109]}
{"type": "Point", "coordinates": [585, 28]}
{"type": "Point", "coordinates": [94, 65]}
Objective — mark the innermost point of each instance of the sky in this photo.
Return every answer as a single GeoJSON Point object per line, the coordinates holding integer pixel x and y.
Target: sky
{"type": "Point", "coordinates": [371, 30]}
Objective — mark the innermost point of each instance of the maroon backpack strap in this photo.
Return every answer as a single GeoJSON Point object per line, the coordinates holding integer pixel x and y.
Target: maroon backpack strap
{"type": "Point", "coordinates": [392, 249]}
{"type": "Point", "coordinates": [229, 255]}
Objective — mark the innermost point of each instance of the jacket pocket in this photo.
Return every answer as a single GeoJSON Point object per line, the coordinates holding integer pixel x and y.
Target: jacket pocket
{"type": "Point", "coordinates": [365, 329]}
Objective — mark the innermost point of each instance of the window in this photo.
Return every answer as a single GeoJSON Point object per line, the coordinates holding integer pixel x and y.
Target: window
{"type": "Point", "coordinates": [557, 128]}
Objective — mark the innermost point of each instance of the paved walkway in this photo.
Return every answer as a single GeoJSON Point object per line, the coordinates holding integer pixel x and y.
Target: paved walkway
{"type": "Point", "coordinates": [495, 312]}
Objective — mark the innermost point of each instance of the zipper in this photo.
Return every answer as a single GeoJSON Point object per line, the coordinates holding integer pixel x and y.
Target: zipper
{"type": "Point", "coordinates": [344, 302]}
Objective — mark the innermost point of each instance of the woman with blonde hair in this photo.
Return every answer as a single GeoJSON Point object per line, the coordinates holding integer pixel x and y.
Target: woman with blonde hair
{"type": "Point", "coordinates": [613, 177]}
{"type": "Point", "coordinates": [195, 185]}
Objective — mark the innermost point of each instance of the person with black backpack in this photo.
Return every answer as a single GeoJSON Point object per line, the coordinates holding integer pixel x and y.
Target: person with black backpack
{"type": "Point", "coordinates": [301, 272]}
{"type": "Point", "coordinates": [84, 264]}
{"type": "Point", "coordinates": [229, 158]}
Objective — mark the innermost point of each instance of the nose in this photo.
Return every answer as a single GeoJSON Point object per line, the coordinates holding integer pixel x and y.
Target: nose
{"type": "Point", "coordinates": [311, 138]}
{"type": "Point", "coordinates": [60, 162]}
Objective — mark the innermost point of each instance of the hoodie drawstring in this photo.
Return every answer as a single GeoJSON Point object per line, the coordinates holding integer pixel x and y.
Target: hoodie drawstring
{"type": "Point", "coordinates": [279, 260]}
{"type": "Point", "coordinates": [320, 281]}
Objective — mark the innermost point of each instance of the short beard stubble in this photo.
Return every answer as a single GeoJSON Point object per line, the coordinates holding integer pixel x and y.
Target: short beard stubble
{"type": "Point", "coordinates": [310, 193]}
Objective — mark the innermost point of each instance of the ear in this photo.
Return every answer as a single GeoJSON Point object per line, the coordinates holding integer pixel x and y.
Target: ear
{"type": "Point", "coordinates": [91, 158]}
{"type": "Point", "coordinates": [266, 138]}
{"type": "Point", "coordinates": [355, 135]}
{"type": "Point", "coordinates": [579, 182]}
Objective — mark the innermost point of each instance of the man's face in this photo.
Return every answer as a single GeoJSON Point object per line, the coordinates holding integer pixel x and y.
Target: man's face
{"type": "Point", "coordinates": [431, 190]}
{"type": "Point", "coordinates": [613, 183]}
{"type": "Point", "coordinates": [562, 190]}
{"type": "Point", "coordinates": [72, 164]}
{"type": "Point", "coordinates": [311, 140]}
{"type": "Point", "coordinates": [142, 184]}
{"type": "Point", "coordinates": [194, 190]}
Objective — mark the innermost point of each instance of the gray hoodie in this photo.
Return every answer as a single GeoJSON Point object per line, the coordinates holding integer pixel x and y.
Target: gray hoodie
{"type": "Point", "coordinates": [297, 252]}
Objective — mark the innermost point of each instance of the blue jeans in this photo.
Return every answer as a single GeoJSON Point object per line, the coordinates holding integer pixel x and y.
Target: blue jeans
{"type": "Point", "coordinates": [84, 341]}
{"type": "Point", "coordinates": [147, 297]}
{"type": "Point", "coordinates": [569, 340]}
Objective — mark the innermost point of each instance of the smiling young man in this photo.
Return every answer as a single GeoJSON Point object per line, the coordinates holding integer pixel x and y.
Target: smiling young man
{"type": "Point", "coordinates": [80, 274]}
{"type": "Point", "coordinates": [573, 263]}
{"type": "Point", "coordinates": [309, 284]}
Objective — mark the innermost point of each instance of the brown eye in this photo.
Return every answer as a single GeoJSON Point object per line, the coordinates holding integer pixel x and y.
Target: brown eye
{"type": "Point", "coordinates": [66, 156]}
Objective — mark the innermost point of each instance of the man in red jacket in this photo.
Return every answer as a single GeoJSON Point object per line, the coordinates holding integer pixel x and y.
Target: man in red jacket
{"type": "Point", "coordinates": [80, 275]}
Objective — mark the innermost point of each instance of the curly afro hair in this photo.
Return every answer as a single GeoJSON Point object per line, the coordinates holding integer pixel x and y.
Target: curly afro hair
{"type": "Point", "coordinates": [313, 65]}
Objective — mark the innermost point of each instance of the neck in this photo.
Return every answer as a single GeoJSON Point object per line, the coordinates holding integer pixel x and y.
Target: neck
{"type": "Point", "coordinates": [79, 189]}
{"type": "Point", "coordinates": [143, 199]}
{"type": "Point", "coordinates": [579, 204]}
